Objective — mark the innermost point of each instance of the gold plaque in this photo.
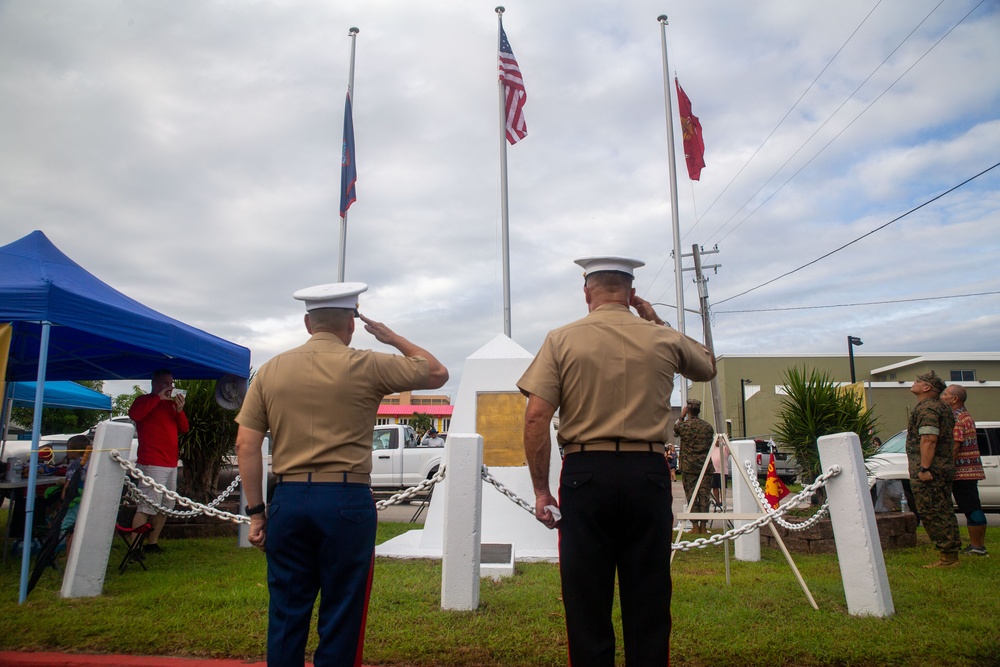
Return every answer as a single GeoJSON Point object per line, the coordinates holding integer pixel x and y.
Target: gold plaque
{"type": "Point", "coordinates": [500, 420]}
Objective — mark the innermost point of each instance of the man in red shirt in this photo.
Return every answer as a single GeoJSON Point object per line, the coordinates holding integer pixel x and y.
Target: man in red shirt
{"type": "Point", "coordinates": [159, 419]}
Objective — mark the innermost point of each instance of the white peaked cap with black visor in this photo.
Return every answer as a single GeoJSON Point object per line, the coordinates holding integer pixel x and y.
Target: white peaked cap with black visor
{"type": "Point", "coordinates": [624, 265]}
{"type": "Point", "coordinates": [331, 295]}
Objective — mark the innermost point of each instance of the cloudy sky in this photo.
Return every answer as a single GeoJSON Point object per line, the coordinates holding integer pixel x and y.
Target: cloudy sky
{"type": "Point", "coordinates": [188, 153]}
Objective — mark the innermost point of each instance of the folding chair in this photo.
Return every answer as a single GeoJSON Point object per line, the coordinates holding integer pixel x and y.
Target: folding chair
{"type": "Point", "coordinates": [133, 547]}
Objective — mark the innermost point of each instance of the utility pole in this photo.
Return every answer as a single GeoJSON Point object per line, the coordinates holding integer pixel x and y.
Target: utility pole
{"type": "Point", "coordinates": [702, 282]}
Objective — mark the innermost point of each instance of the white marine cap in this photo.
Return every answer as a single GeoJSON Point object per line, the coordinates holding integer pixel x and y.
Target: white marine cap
{"type": "Point", "coordinates": [331, 295]}
{"type": "Point", "coordinates": [613, 263]}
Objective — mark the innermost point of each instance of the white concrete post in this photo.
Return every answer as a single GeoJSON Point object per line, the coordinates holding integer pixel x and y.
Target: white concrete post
{"type": "Point", "coordinates": [747, 546]}
{"type": "Point", "coordinates": [244, 528]}
{"type": "Point", "coordinates": [463, 502]}
{"type": "Point", "coordinates": [95, 522]}
{"type": "Point", "coordinates": [859, 550]}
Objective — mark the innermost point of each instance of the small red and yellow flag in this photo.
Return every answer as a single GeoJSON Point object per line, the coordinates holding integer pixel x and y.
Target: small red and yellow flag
{"type": "Point", "coordinates": [774, 488]}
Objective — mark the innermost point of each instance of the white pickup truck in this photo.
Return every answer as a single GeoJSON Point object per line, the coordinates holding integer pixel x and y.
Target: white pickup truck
{"type": "Point", "coordinates": [399, 461]}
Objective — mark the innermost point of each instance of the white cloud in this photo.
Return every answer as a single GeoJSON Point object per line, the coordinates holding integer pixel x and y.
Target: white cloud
{"type": "Point", "coordinates": [188, 154]}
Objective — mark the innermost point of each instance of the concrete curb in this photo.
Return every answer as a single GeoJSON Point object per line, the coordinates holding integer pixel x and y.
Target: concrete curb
{"type": "Point", "coordinates": [21, 659]}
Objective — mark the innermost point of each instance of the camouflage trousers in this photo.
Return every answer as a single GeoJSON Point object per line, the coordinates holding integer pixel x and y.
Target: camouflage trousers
{"type": "Point", "coordinates": [933, 500]}
{"type": "Point", "coordinates": [689, 477]}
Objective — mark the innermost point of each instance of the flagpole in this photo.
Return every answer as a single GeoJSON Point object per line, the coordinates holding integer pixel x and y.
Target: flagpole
{"type": "Point", "coordinates": [675, 217]}
{"type": "Point", "coordinates": [343, 220]}
{"type": "Point", "coordinates": [504, 222]}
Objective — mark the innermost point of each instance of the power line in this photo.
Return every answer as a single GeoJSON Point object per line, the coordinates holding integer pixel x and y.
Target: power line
{"type": "Point", "coordinates": [789, 112]}
{"type": "Point", "coordinates": [849, 243]}
{"type": "Point", "coordinates": [862, 303]}
{"type": "Point", "coordinates": [845, 128]}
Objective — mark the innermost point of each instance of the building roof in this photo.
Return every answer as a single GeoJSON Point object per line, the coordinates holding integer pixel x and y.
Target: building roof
{"type": "Point", "coordinates": [941, 356]}
{"type": "Point", "coordinates": [386, 410]}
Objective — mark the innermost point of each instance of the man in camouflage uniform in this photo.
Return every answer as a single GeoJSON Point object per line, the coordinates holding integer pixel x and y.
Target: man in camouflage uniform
{"type": "Point", "coordinates": [930, 457]}
{"type": "Point", "coordinates": [696, 436]}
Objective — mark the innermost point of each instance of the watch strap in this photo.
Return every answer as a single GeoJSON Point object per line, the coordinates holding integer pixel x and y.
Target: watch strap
{"type": "Point", "coordinates": [256, 509]}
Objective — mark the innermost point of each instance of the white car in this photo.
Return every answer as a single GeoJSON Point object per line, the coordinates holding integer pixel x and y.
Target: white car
{"type": "Point", "coordinates": [889, 463]}
{"type": "Point", "coordinates": [57, 442]}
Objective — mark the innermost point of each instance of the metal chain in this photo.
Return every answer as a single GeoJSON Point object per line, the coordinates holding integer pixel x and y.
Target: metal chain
{"type": "Point", "coordinates": [765, 519]}
{"type": "Point", "coordinates": [197, 508]}
{"type": "Point", "coordinates": [135, 494]}
{"type": "Point", "coordinates": [520, 502]}
{"type": "Point", "coordinates": [412, 491]}
{"type": "Point", "coordinates": [787, 525]}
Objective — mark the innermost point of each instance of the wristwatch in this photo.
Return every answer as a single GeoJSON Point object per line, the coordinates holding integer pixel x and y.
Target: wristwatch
{"type": "Point", "coordinates": [256, 509]}
{"type": "Point", "coordinates": [922, 469]}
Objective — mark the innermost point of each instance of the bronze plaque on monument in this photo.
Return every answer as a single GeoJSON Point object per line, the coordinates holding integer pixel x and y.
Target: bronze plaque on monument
{"type": "Point", "coordinates": [500, 420]}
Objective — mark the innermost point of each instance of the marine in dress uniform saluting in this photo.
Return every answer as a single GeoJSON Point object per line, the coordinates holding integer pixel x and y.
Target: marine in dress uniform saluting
{"type": "Point", "coordinates": [610, 375]}
{"type": "Point", "coordinates": [319, 402]}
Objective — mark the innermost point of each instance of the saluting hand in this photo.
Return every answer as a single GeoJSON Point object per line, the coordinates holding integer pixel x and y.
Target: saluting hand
{"type": "Point", "coordinates": [645, 309]}
{"type": "Point", "coordinates": [382, 333]}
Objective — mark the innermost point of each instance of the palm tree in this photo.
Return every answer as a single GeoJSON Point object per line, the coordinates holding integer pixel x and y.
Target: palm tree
{"type": "Point", "coordinates": [813, 406]}
{"type": "Point", "coordinates": [211, 438]}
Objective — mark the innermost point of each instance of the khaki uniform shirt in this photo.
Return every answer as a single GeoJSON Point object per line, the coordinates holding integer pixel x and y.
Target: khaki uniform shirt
{"type": "Point", "coordinates": [611, 375]}
{"type": "Point", "coordinates": [320, 400]}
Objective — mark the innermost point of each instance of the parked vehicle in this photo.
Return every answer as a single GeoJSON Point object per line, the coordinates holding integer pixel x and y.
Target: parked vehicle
{"type": "Point", "coordinates": [399, 460]}
{"type": "Point", "coordinates": [889, 463]}
{"type": "Point", "coordinates": [21, 449]}
{"type": "Point", "coordinates": [784, 463]}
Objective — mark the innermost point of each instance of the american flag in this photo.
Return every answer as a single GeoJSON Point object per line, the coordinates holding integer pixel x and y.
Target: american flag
{"type": "Point", "coordinates": [514, 94]}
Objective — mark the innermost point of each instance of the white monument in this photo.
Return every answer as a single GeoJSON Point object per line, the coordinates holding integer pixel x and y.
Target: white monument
{"type": "Point", "coordinates": [489, 386]}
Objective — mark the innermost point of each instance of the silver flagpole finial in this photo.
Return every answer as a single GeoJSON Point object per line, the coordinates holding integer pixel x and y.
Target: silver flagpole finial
{"type": "Point", "coordinates": [499, 10]}
{"type": "Point", "coordinates": [353, 31]}
{"type": "Point", "coordinates": [662, 18]}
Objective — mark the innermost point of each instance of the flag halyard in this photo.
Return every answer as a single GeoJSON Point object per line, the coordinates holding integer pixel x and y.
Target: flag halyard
{"type": "Point", "coordinates": [514, 93]}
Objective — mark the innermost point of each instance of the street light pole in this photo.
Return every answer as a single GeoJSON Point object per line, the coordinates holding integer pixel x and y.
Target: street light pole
{"type": "Point", "coordinates": [851, 342]}
{"type": "Point", "coordinates": [743, 403]}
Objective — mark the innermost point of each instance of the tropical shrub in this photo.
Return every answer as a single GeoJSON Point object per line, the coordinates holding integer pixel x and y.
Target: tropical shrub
{"type": "Point", "coordinates": [813, 406]}
{"type": "Point", "coordinates": [211, 438]}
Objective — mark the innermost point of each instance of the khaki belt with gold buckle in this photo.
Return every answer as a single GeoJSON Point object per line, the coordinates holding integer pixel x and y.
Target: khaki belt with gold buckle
{"type": "Point", "coordinates": [612, 446]}
{"type": "Point", "coordinates": [342, 477]}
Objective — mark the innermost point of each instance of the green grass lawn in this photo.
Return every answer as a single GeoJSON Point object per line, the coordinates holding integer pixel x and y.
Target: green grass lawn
{"type": "Point", "coordinates": [207, 597]}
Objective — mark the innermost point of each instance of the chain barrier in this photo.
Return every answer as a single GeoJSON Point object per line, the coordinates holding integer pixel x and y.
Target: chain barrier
{"type": "Point", "coordinates": [197, 508]}
{"type": "Point", "coordinates": [787, 525]}
{"type": "Point", "coordinates": [412, 491]}
{"type": "Point", "coordinates": [765, 519]}
{"type": "Point", "coordinates": [520, 502]}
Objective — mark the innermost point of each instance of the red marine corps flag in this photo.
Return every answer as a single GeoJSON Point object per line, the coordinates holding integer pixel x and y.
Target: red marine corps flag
{"type": "Point", "coordinates": [774, 488]}
{"type": "Point", "coordinates": [694, 144]}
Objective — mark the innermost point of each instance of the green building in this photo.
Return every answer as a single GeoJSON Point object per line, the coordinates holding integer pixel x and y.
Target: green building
{"type": "Point", "coordinates": [887, 379]}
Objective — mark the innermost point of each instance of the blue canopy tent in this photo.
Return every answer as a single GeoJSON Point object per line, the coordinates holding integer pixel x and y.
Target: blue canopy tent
{"type": "Point", "coordinates": [57, 394]}
{"type": "Point", "coordinates": [60, 394]}
{"type": "Point", "coordinates": [69, 325]}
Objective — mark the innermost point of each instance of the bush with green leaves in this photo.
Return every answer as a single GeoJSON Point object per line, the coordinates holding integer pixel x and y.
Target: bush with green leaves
{"type": "Point", "coordinates": [211, 438]}
{"type": "Point", "coordinates": [814, 406]}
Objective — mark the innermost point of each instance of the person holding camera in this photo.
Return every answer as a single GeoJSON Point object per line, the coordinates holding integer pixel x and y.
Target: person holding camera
{"type": "Point", "coordinates": [159, 420]}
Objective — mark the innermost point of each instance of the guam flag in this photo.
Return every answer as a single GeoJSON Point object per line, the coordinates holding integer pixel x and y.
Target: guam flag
{"type": "Point", "coordinates": [348, 170]}
{"type": "Point", "coordinates": [774, 488]}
